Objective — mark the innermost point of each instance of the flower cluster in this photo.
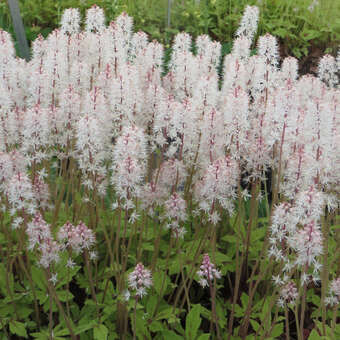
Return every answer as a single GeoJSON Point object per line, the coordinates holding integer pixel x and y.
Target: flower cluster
{"type": "Point", "coordinates": [140, 280]}
{"type": "Point", "coordinates": [113, 124]}
{"type": "Point", "coordinates": [207, 272]}
{"type": "Point", "coordinates": [333, 298]}
{"type": "Point", "coordinates": [78, 237]}
{"type": "Point", "coordinates": [296, 238]}
{"type": "Point", "coordinates": [39, 234]}
{"type": "Point", "coordinates": [288, 294]}
{"type": "Point", "coordinates": [129, 162]}
{"type": "Point", "coordinates": [175, 208]}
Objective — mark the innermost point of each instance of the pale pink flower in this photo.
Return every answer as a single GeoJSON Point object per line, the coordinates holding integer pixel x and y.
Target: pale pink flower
{"type": "Point", "coordinates": [20, 194]}
{"type": "Point", "coordinates": [38, 231]}
{"type": "Point", "coordinates": [268, 48]}
{"type": "Point", "coordinates": [95, 19]}
{"type": "Point", "coordinates": [248, 25]}
{"type": "Point", "coordinates": [36, 133]}
{"type": "Point", "coordinates": [7, 52]}
{"type": "Point", "coordinates": [78, 237]}
{"type": "Point", "coordinates": [207, 272]}
{"type": "Point", "coordinates": [140, 280]}
{"type": "Point", "coordinates": [49, 252]}
{"type": "Point", "coordinates": [288, 294]}
{"type": "Point", "coordinates": [307, 243]}
{"type": "Point", "coordinates": [241, 48]}
{"type": "Point", "coordinates": [333, 298]}
{"type": "Point", "coordinates": [218, 184]}
{"type": "Point", "coordinates": [70, 21]}
{"type": "Point", "coordinates": [289, 69]}
{"type": "Point", "coordinates": [209, 53]}
{"type": "Point", "coordinates": [39, 235]}
{"type": "Point", "coordinates": [327, 70]}
{"type": "Point", "coordinates": [90, 145]}
{"type": "Point", "coordinates": [176, 207]}
{"type": "Point", "coordinates": [129, 162]}
{"type": "Point", "coordinates": [41, 192]}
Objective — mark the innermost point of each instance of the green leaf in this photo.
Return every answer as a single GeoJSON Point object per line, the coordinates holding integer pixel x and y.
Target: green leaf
{"type": "Point", "coordinates": [24, 312]}
{"type": "Point", "coordinates": [43, 335]}
{"type": "Point", "coordinates": [310, 35]}
{"type": "Point", "coordinates": [280, 32]}
{"type": "Point", "coordinates": [193, 322]}
{"type": "Point", "coordinates": [220, 258]}
{"type": "Point", "coordinates": [277, 330]}
{"type": "Point", "coordinates": [148, 246]}
{"type": "Point", "coordinates": [2, 282]}
{"type": "Point", "coordinates": [41, 295]}
{"type": "Point", "coordinates": [164, 314]}
{"type": "Point", "coordinates": [151, 304]}
{"type": "Point", "coordinates": [204, 337]}
{"type": "Point", "coordinates": [100, 332]}
{"type": "Point", "coordinates": [141, 326]}
{"type": "Point", "coordinates": [316, 300]}
{"type": "Point", "coordinates": [337, 330]}
{"type": "Point", "coordinates": [314, 335]}
{"type": "Point", "coordinates": [244, 300]}
{"type": "Point", "coordinates": [169, 335]}
{"type": "Point", "coordinates": [64, 295]}
{"type": "Point", "coordinates": [158, 278]}
{"type": "Point", "coordinates": [255, 325]}
{"type": "Point", "coordinates": [38, 277]}
{"type": "Point", "coordinates": [156, 326]}
{"type": "Point", "coordinates": [84, 327]}
{"type": "Point", "coordinates": [18, 328]}
{"type": "Point", "coordinates": [60, 331]}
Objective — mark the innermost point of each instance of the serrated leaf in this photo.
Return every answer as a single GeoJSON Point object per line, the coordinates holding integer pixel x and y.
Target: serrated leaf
{"type": "Point", "coordinates": [42, 296]}
{"type": "Point", "coordinates": [18, 328]}
{"type": "Point", "coordinates": [164, 314]}
{"type": "Point", "coordinates": [38, 277]}
{"type": "Point", "coordinates": [64, 295]}
{"type": "Point", "coordinates": [43, 335]}
{"type": "Point", "coordinates": [314, 335]}
{"type": "Point", "coordinates": [220, 258]}
{"type": "Point", "coordinates": [100, 332]}
{"type": "Point", "coordinates": [204, 337]}
{"type": "Point", "coordinates": [24, 312]}
{"type": "Point", "coordinates": [84, 327]}
{"type": "Point", "coordinates": [156, 326]}
{"type": "Point", "coordinates": [141, 326]}
{"type": "Point", "coordinates": [244, 300]}
{"type": "Point", "coordinates": [169, 335]}
{"type": "Point", "coordinates": [158, 279]}
{"type": "Point", "coordinates": [277, 330]}
{"type": "Point", "coordinates": [193, 322]}
{"type": "Point", "coordinates": [151, 304]}
{"type": "Point", "coordinates": [255, 325]}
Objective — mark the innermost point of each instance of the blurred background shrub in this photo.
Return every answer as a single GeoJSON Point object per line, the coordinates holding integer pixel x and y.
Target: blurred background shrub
{"type": "Point", "coordinates": [301, 25]}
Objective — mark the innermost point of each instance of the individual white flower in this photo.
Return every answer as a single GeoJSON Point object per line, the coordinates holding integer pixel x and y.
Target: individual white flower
{"type": "Point", "coordinates": [133, 217]}
{"type": "Point", "coordinates": [17, 222]}
{"type": "Point", "coordinates": [54, 279]}
{"type": "Point", "coordinates": [70, 263]}
{"type": "Point", "coordinates": [126, 295]}
{"type": "Point", "coordinates": [93, 255]}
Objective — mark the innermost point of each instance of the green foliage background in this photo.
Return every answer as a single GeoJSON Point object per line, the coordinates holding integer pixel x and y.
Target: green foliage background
{"type": "Point", "coordinates": [297, 27]}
